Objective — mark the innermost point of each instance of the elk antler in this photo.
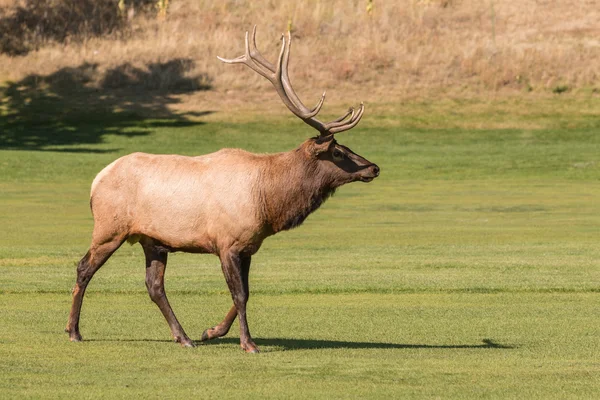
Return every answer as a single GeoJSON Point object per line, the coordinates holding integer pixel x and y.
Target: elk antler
{"type": "Point", "coordinates": [278, 76]}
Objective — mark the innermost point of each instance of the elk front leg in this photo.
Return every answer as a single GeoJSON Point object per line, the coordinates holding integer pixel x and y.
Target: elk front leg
{"type": "Point", "coordinates": [236, 268]}
{"type": "Point", "coordinates": [87, 267]}
{"type": "Point", "coordinates": [156, 263]}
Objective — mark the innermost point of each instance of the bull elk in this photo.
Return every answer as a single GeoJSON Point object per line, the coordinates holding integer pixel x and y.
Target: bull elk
{"type": "Point", "coordinates": [225, 203]}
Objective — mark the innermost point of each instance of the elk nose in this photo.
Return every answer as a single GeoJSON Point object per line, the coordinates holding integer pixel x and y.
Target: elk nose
{"type": "Point", "coordinates": [375, 170]}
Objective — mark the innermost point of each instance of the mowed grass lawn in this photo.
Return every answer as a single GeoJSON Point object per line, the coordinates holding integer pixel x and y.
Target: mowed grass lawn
{"type": "Point", "coordinates": [469, 269]}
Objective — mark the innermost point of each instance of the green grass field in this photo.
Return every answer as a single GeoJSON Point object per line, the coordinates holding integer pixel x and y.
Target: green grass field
{"type": "Point", "coordinates": [469, 269]}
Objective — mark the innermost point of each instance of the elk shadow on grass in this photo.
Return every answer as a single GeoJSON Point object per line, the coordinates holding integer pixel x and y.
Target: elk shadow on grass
{"type": "Point", "coordinates": [286, 344]}
{"type": "Point", "coordinates": [72, 109]}
{"type": "Point", "coordinates": [314, 344]}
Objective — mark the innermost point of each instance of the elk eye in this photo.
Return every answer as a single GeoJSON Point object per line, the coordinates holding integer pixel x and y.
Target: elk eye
{"type": "Point", "coordinates": [338, 155]}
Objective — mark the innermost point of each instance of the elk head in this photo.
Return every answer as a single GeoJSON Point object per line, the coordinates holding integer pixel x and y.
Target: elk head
{"type": "Point", "coordinates": [342, 163]}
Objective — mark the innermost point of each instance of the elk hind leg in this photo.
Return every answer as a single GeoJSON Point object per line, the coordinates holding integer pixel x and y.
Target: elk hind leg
{"type": "Point", "coordinates": [223, 328]}
{"type": "Point", "coordinates": [156, 262]}
{"type": "Point", "coordinates": [87, 267]}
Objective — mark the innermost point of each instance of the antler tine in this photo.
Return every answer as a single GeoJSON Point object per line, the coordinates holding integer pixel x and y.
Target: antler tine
{"type": "Point", "coordinates": [280, 87]}
{"type": "Point", "coordinates": [343, 117]}
{"type": "Point", "coordinates": [279, 77]}
{"type": "Point", "coordinates": [257, 56]}
{"type": "Point", "coordinates": [286, 92]}
{"type": "Point", "coordinates": [341, 120]}
{"type": "Point", "coordinates": [285, 80]}
{"type": "Point", "coordinates": [247, 60]}
{"type": "Point", "coordinates": [351, 123]}
{"type": "Point", "coordinates": [236, 60]}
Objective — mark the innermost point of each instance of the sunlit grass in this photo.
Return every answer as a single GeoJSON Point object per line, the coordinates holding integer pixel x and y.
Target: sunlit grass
{"type": "Point", "coordinates": [469, 269]}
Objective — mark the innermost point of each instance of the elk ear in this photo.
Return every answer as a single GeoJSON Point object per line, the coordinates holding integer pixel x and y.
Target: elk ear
{"type": "Point", "coordinates": [321, 145]}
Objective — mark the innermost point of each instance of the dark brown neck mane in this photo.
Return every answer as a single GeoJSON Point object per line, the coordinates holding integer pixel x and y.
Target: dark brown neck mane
{"type": "Point", "coordinates": [293, 187]}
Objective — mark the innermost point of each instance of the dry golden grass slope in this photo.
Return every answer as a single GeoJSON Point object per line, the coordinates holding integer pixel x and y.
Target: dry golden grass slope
{"type": "Point", "coordinates": [400, 48]}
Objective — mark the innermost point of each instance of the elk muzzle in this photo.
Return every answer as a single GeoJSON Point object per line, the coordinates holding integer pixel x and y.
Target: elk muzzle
{"type": "Point", "coordinates": [369, 173]}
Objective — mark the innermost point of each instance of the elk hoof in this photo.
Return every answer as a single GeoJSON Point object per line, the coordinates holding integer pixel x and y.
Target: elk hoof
{"type": "Point", "coordinates": [213, 333]}
{"type": "Point", "coordinates": [250, 348]}
{"type": "Point", "coordinates": [75, 337]}
{"type": "Point", "coordinates": [185, 342]}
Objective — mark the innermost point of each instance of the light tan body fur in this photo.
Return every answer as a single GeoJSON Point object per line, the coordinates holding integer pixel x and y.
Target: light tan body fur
{"type": "Point", "coordinates": [199, 204]}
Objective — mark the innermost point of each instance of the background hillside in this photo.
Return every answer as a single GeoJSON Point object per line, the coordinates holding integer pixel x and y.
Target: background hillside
{"type": "Point", "coordinates": [380, 49]}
